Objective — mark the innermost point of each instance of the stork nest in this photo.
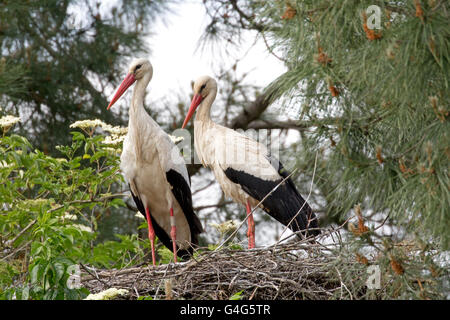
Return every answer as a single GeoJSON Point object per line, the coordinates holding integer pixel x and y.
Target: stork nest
{"type": "Point", "coordinates": [292, 270]}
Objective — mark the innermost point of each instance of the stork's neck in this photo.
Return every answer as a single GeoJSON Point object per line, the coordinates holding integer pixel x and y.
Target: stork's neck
{"type": "Point", "coordinates": [204, 110]}
{"type": "Point", "coordinates": [140, 124]}
{"type": "Point", "coordinates": [137, 102]}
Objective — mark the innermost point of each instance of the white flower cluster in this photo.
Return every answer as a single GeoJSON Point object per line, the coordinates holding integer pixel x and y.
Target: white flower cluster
{"type": "Point", "coordinates": [4, 164]}
{"type": "Point", "coordinates": [113, 150]}
{"type": "Point", "coordinates": [117, 133]}
{"type": "Point", "coordinates": [71, 221]}
{"type": "Point", "coordinates": [117, 130]}
{"type": "Point", "coordinates": [84, 124]}
{"type": "Point", "coordinates": [8, 121]}
{"type": "Point", "coordinates": [82, 227]}
{"type": "Point", "coordinates": [108, 294]}
{"type": "Point", "coordinates": [175, 139]}
{"type": "Point", "coordinates": [139, 215]}
{"type": "Point", "coordinates": [113, 140]}
{"type": "Point", "coordinates": [69, 216]}
{"type": "Point", "coordinates": [224, 227]}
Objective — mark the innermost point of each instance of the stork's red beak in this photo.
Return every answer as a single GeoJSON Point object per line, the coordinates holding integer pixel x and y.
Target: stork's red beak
{"type": "Point", "coordinates": [126, 83]}
{"type": "Point", "coordinates": [196, 100]}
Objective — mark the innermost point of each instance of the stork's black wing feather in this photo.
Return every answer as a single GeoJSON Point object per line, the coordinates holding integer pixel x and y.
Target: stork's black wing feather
{"type": "Point", "coordinates": [182, 192]}
{"type": "Point", "coordinates": [283, 204]}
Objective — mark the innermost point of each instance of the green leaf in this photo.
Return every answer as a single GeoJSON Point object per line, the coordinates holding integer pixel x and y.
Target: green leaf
{"type": "Point", "coordinates": [35, 273]}
{"type": "Point", "coordinates": [60, 270]}
{"type": "Point", "coordinates": [78, 136]}
{"type": "Point", "coordinates": [237, 296]}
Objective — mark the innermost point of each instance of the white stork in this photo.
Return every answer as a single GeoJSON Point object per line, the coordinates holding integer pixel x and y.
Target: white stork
{"type": "Point", "coordinates": [155, 172]}
{"type": "Point", "coordinates": [244, 168]}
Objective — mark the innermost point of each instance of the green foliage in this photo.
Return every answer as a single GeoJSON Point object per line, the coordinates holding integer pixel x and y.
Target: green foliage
{"type": "Point", "coordinates": [60, 58]}
{"type": "Point", "coordinates": [165, 254]}
{"type": "Point", "coordinates": [384, 137]}
{"type": "Point", "coordinates": [391, 145]}
{"type": "Point", "coordinates": [407, 269]}
{"type": "Point", "coordinates": [372, 105]}
{"type": "Point", "coordinates": [50, 212]}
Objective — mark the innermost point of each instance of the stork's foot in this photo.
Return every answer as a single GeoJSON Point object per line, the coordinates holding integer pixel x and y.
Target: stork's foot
{"type": "Point", "coordinates": [151, 235]}
{"type": "Point", "coordinates": [251, 227]}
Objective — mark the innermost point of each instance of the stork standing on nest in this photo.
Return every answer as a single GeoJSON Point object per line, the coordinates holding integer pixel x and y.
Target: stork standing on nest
{"type": "Point", "coordinates": [244, 168]}
{"type": "Point", "coordinates": [155, 172]}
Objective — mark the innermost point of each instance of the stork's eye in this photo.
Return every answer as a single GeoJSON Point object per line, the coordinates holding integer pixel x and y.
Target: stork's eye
{"type": "Point", "coordinates": [137, 67]}
{"type": "Point", "coordinates": [202, 87]}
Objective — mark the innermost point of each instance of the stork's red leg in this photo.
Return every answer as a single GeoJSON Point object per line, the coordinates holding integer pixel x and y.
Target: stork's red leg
{"type": "Point", "coordinates": [173, 234]}
{"type": "Point", "coordinates": [151, 234]}
{"type": "Point", "coordinates": [251, 227]}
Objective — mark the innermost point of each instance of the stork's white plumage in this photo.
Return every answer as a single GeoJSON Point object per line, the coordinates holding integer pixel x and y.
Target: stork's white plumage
{"type": "Point", "coordinates": [155, 171]}
{"type": "Point", "coordinates": [244, 168]}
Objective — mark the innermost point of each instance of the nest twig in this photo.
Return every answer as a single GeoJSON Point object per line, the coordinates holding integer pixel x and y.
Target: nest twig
{"type": "Point", "coordinates": [292, 270]}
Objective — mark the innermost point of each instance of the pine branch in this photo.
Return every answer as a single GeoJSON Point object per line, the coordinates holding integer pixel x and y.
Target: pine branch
{"type": "Point", "coordinates": [243, 15]}
{"type": "Point", "coordinates": [252, 112]}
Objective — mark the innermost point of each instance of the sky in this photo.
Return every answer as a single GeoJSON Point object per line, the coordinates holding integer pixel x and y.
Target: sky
{"type": "Point", "coordinates": [176, 60]}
